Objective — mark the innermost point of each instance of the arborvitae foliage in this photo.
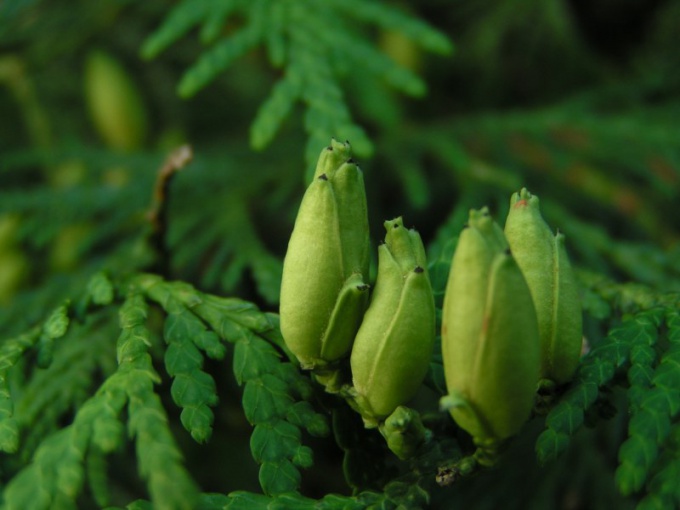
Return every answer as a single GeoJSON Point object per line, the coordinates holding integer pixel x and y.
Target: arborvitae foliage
{"type": "Point", "coordinates": [313, 43]}
{"type": "Point", "coordinates": [142, 239]}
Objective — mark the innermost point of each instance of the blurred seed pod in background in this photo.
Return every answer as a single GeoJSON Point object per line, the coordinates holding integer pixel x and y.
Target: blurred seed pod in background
{"type": "Point", "coordinates": [114, 102]}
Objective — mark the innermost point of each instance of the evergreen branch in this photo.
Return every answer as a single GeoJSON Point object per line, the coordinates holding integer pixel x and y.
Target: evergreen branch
{"type": "Point", "coordinates": [414, 181]}
{"type": "Point", "coordinates": [314, 43]}
{"type": "Point", "coordinates": [177, 23]}
{"type": "Point", "coordinates": [604, 294]}
{"type": "Point", "coordinates": [387, 17]}
{"type": "Point", "coordinates": [192, 388]}
{"type": "Point", "coordinates": [277, 45]}
{"type": "Point", "coordinates": [41, 337]}
{"type": "Point", "coordinates": [326, 109]}
{"type": "Point", "coordinates": [361, 54]}
{"type": "Point", "coordinates": [647, 264]}
{"type": "Point", "coordinates": [654, 406]}
{"type": "Point", "coordinates": [215, 21]}
{"type": "Point", "coordinates": [275, 109]}
{"type": "Point", "coordinates": [159, 459]}
{"type": "Point", "coordinates": [55, 477]}
{"type": "Point", "coordinates": [217, 60]}
{"type": "Point", "coordinates": [10, 352]}
{"type": "Point", "coordinates": [662, 489]}
{"type": "Point", "coordinates": [577, 153]}
{"type": "Point", "coordinates": [97, 477]}
{"type": "Point", "coordinates": [55, 327]}
{"type": "Point", "coordinates": [98, 292]}
{"type": "Point", "coordinates": [273, 389]}
{"type": "Point", "coordinates": [243, 249]}
{"type": "Point", "coordinates": [50, 394]}
{"type": "Point", "coordinates": [596, 370]}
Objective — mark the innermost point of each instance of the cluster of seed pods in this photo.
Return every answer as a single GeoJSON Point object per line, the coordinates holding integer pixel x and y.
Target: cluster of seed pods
{"type": "Point", "coordinates": [511, 314]}
{"type": "Point", "coordinates": [511, 317]}
{"type": "Point", "coordinates": [325, 310]}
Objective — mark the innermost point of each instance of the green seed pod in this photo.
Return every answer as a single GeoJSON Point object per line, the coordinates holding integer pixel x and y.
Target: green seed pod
{"type": "Point", "coordinates": [543, 259]}
{"type": "Point", "coordinates": [323, 294]}
{"type": "Point", "coordinates": [115, 102]}
{"type": "Point", "coordinates": [393, 347]}
{"type": "Point", "coordinates": [490, 340]}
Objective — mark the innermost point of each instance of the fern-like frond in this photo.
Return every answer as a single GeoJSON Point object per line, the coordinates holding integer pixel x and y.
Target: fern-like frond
{"type": "Point", "coordinates": [38, 405]}
{"type": "Point", "coordinates": [578, 148]}
{"type": "Point", "coordinates": [182, 18]}
{"type": "Point", "coordinates": [627, 297]}
{"type": "Point", "coordinates": [54, 394]}
{"type": "Point", "coordinates": [274, 390]}
{"type": "Point", "coordinates": [315, 43]}
{"type": "Point", "coordinates": [654, 407]}
{"type": "Point", "coordinates": [10, 352]}
{"type": "Point", "coordinates": [56, 476]}
{"type": "Point", "coordinates": [596, 370]}
{"type": "Point", "coordinates": [218, 58]}
{"type": "Point", "coordinates": [192, 388]}
{"type": "Point", "coordinates": [41, 337]}
{"type": "Point", "coordinates": [662, 488]}
{"type": "Point", "coordinates": [220, 240]}
{"type": "Point", "coordinates": [388, 17]}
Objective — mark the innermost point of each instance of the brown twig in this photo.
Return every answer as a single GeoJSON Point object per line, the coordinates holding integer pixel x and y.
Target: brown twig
{"type": "Point", "coordinates": [158, 213]}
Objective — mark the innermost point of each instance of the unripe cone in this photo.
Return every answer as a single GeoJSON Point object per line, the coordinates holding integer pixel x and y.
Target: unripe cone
{"type": "Point", "coordinates": [323, 294]}
{"type": "Point", "coordinates": [543, 260]}
{"type": "Point", "coordinates": [393, 347]}
{"type": "Point", "coordinates": [490, 340]}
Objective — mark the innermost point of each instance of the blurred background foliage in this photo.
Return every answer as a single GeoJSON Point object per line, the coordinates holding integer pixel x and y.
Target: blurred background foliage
{"type": "Point", "coordinates": [448, 105]}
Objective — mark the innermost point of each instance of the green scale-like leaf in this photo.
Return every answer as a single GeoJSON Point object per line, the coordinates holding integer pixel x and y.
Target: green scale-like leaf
{"type": "Point", "coordinates": [266, 398]}
{"type": "Point", "coordinates": [253, 357]}
{"type": "Point", "coordinates": [56, 476]}
{"type": "Point", "coordinates": [663, 487]}
{"type": "Point", "coordinates": [51, 395]}
{"type": "Point", "coordinates": [10, 352]}
{"type": "Point", "coordinates": [303, 415]}
{"type": "Point", "coordinates": [271, 441]}
{"type": "Point", "coordinates": [596, 370]}
{"type": "Point", "coordinates": [650, 425]}
{"type": "Point", "coordinates": [217, 60]}
{"type": "Point", "coordinates": [279, 477]}
{"type": "Point", "coordinates": [55, 327]}
{"type": "Point", "coordinates": [275, 109]}
{"type": "Point", "coordinates": [273, 386]}
{"type": "Point", "coordinates": [100, 289]}
{"type": "Point", "coordinates": [158, 458]}
{"type": "Point", "coordinates": [192, 389]}
{"type": "Point", "coordinates": [57, 324]}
